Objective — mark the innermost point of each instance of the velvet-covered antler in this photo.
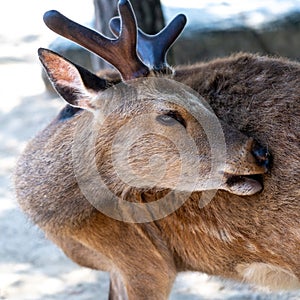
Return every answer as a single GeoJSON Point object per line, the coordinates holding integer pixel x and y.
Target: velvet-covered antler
{"type": "Point", "coordinates": [153, 49]}
{"type": "Point", "coordinates": [120, 52]}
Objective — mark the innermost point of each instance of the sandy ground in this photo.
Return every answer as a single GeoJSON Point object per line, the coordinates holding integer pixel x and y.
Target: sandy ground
{"type": "Point", "coordinates": [30, 266]}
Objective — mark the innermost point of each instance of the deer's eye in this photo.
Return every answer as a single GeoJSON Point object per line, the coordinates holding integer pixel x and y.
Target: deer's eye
{"type": "Point", "coordinates": [170, 118]}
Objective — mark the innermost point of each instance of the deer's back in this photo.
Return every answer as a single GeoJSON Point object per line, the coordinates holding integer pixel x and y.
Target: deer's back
{"type": "Point", "coordinates": [260, 97]}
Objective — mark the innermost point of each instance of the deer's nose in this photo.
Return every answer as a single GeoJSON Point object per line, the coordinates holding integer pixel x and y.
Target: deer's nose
{"type": "Point", "coordinates": [261, 155]}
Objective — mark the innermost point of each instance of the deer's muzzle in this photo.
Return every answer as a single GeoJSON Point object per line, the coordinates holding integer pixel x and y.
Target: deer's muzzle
{"type": "Point", "coordinates": [244, 173]}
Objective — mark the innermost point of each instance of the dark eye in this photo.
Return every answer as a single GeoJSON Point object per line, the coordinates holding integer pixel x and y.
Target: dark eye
{"type": "Point", "coordinates": [171, 118]}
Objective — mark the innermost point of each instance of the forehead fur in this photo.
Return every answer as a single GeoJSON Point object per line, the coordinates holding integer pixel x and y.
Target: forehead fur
{"type": "Point", "coordinates": [156, 94]}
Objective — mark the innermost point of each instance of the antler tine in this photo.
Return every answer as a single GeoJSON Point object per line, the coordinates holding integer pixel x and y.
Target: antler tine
{"type": "Point", "coordinates": [153, 49]}
{"type": "Point", "coordinates": [120, 52]}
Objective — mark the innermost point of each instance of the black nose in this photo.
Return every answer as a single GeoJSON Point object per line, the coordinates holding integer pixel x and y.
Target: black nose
{"type": "Point", "coordinates": [262, 155]}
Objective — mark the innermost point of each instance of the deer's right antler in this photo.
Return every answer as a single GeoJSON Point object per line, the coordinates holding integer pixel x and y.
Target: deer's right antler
{"type": "Point", "coordinates": [120, 52]}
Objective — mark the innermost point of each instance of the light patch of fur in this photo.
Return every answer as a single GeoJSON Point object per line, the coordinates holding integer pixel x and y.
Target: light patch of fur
{"type": "Point", "coordinates": [225, 236]}
{"type": "Point", "coordinates": [296, 232]}
{"type": "Point", "coordinates": [269, 276]}
{"type": "Point", "coordinates": [252, 247]}
{"type": "Point", "coordinates": [221, 234]}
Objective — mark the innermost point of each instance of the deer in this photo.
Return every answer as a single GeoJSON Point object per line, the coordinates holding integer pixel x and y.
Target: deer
{"type": "Point", "coordinates": [151, 170]}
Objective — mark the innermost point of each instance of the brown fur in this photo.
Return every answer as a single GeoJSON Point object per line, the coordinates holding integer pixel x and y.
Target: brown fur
{"type": "Point", "coordinates": [258, 96]}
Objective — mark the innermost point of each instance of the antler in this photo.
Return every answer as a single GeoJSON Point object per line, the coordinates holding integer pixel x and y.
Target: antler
{"type": "Point", "coordinates": [120, 52]}
{"type": "Point", "coordinates": [153, 49]}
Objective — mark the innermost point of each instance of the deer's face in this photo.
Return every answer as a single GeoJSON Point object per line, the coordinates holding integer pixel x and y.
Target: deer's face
{"type": "Point", "coordinates": [157, 133]}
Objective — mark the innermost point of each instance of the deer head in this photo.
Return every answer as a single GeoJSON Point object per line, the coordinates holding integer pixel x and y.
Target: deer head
{"type": "Point", "coordinates": [172, 138]}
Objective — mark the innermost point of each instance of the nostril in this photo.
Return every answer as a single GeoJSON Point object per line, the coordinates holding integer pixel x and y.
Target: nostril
{"type": "Point", "coordinates": [262, 156]}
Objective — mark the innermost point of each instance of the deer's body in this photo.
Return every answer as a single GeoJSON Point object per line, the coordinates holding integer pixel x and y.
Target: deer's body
{"type": "Point", "coordinates": [255, 238]}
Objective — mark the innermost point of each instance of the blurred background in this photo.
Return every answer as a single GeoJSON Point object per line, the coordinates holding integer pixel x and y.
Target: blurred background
{"type": "Point", "coordinates": [32, 267]}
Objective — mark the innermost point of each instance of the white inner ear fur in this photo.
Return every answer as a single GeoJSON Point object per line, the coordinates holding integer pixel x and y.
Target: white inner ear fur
{"type": "Point", "coordinates": [268, 276]}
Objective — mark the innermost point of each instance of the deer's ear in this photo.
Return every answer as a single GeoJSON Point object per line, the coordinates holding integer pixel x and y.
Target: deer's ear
{"type": "Point", "coordinates": [75, 84]}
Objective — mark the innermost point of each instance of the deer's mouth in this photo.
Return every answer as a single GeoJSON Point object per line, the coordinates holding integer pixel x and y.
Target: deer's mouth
{"type": "Point", "coordinates": [243, 185]}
